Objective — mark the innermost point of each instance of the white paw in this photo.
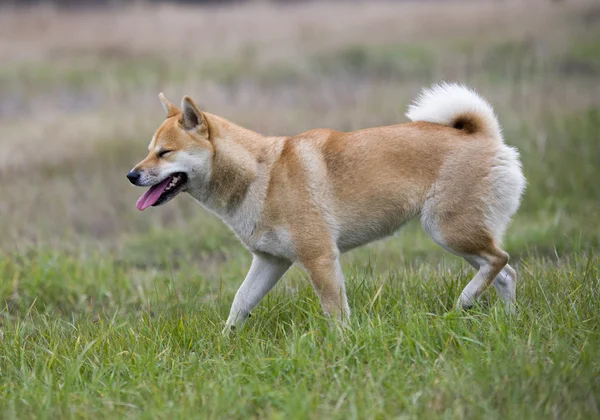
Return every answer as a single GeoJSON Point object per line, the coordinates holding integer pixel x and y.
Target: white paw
{"type": "Point", "coordinates": [234, 323]}
{"type": "Point", "coordinates": [228, 330]}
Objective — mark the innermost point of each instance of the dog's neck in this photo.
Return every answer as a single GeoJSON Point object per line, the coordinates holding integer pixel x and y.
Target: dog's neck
{"type": "Point", "coordinates": [238, 178]}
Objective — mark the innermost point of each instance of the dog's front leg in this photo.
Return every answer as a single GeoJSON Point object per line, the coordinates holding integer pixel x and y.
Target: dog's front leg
{"type": "Point", "coordinates": [264, 272]}
{"type": "Point", "coordinates": [327, 278]}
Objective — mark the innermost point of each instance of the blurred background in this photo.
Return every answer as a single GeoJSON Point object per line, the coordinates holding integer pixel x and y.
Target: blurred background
{"type": "Point", "coordinates": [78, 105]}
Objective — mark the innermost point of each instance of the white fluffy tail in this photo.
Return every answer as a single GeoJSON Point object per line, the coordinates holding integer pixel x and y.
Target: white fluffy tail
{"type": "Point", "coordinates": [456, 106]}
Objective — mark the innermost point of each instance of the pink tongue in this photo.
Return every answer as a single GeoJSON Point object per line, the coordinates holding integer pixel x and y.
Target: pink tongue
{"type": "Point", "coordinates": [152, 195]}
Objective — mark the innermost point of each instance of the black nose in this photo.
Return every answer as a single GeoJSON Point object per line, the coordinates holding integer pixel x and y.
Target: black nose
{"type": "Point", "coordinates": [133, 177]}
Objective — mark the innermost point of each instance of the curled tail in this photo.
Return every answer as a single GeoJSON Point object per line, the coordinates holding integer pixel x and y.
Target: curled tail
{"type": "Point", "coordinates": [456, 106]}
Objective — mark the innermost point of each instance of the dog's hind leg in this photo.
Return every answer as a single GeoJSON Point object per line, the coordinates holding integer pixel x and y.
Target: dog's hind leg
{"type": "Point", "coordinates": [466, 234]}
{"type": "Point", "coordinates": [505, 284]}
{"type": "Point", "coordinates": [491, 262]}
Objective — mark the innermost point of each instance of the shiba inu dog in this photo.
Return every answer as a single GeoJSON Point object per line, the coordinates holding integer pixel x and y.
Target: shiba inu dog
{"type": "Point", "coordinates": [307, 198]}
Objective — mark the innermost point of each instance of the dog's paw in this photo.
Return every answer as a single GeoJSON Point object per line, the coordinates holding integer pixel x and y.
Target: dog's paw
{"type": "Point", "coordinates": [228, 331]}
{"type": "Point", "coordinates": [232, 325]}
{"type": "Point", "coordinates": [510, 308]}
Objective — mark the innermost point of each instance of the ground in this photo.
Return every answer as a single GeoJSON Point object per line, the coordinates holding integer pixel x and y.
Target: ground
{"type": "Point", "coordinates": [112, 313]}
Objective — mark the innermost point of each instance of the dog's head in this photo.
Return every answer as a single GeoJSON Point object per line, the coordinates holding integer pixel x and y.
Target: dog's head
{"type": "Point", "coordinates": [179, 154]}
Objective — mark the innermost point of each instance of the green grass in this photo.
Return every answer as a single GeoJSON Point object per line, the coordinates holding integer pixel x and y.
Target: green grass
{"type": "Point", "coordinates": [406, 352]}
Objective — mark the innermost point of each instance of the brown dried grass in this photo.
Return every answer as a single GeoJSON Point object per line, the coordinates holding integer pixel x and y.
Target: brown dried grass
{"type": "Point", "coordinates": [68, 139]}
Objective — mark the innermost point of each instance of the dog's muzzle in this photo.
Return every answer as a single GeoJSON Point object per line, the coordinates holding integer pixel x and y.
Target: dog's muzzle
{"type": "Point", "coordinates": [134, 177]}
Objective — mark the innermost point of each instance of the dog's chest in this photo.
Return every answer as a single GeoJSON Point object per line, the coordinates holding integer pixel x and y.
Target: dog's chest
{"type": "Point", "coordinates": [277, 242]}
{"type": "Point", "coordinates": [258, 237]}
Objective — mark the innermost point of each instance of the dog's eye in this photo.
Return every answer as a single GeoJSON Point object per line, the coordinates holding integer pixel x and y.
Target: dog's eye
{"type": "Point", "coordinates": [163, 153]}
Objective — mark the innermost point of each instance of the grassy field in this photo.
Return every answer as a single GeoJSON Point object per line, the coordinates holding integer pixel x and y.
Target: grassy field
{"type": "Point", "coordinates": [110, 313]}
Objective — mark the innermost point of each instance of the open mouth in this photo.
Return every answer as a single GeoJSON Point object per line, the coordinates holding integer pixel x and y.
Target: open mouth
{"type": "Point", "coordinates": [163, 191]}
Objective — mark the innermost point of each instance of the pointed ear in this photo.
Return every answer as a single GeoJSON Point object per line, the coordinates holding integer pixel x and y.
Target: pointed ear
{"type": "Point", "coordinates": [192, 118]}
{"type": "Point", "coordinates": [169, 107]}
